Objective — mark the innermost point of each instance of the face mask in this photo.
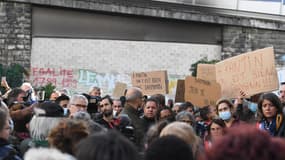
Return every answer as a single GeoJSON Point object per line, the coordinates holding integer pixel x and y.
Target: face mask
{"type": "Point", "coordinates": [65, 111]}
{"type": "Point", "coordinates": [252, 107]}
{"type": "Point", "coordinates": [225, 115]}
{"type": "Point", "coordinates": [114, 113]}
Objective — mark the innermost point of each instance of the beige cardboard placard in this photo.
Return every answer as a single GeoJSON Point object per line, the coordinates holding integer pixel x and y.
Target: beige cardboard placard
{"type": "Point", "coordinates": [119, 89]}
{"type": "Point", "coordinates": [206, 72]}
{"type": "Point", "coordinates": [252, 72]}
{"type": "Point", "coordinates": [180, 90]}
{"type": "Point", "coordinates": [201, 92]}
{"type": "Point", "coordinates": [155, 82]}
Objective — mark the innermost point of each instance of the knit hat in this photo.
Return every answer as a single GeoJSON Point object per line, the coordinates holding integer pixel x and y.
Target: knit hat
{"type": "Point", "coordinates": [51, 109]}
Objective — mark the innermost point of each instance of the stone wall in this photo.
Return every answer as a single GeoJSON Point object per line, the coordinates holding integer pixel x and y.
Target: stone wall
{"type": "Point", "coordinates": [15, 33]}
{"type": "Point", "coordinates": [238, 40]}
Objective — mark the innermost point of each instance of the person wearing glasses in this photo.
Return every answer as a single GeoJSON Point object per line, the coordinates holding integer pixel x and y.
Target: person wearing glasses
{"type": "Point", "coordinates": [77, 103]}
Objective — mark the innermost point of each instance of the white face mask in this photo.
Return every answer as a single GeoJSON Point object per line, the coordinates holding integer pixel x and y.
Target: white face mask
{"type": "Point", "coordinates": [114, 113]}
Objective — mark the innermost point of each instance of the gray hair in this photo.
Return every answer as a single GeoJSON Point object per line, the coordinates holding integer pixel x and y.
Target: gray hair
{"type": "Point", "coordinates": [187, 114]}
{"type": "Point", "coordinates": [86, 118]}
{"type": "Point", "coordinates": [78, 97]}
{"type": "Point", "coordinates": [46, 154]}
{"type": "Point", "coordinates": [41, 126]}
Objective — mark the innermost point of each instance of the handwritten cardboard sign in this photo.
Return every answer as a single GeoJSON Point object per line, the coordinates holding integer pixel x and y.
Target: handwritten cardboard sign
{"type": "Point", "coordinates": [151, 82]}
{"type": "Point", "coordinates": [119, 89]}
{"type": "Point", "coordinates": [206, 72]}
{"type": "Point", "coordinates": [253, 72]}
{"type": "Point", "coordinates": [201, 92]}
{"type": "Point", "coordinates": [180, 90]}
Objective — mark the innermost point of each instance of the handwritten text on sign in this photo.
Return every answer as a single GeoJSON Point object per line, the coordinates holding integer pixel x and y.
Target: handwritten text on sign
{"type": "Point", "coordinates": [253, 72]}
{"type": "Point", "coordinates": [200, 92]}
{"type": "Point", "coordinates": [151, 82]}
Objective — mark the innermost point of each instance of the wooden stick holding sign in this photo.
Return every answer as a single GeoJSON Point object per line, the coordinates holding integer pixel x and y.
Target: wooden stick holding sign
{"type": "Point", "coordinates": [200, 92]}
{"type": "Point", "coordinates": [155, 82]}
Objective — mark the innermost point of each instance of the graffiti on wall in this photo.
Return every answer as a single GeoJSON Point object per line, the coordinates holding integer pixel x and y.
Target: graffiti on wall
{"type": "Point", "coordinates": [80, 80]}
{"type": "Point", "coordinates": [106, 81]}
{"type": "Point", "coordinates": [60, 77]}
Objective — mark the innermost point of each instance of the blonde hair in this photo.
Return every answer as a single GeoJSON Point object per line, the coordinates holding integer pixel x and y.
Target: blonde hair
{"type": "Point", "coordinates": [185, 132]}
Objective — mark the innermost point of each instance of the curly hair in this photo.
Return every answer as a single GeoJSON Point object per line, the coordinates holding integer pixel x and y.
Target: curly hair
{"type": "Point", "coordinates": [246, 143]}
{"type": "Point", "coordinates": [67, 134]}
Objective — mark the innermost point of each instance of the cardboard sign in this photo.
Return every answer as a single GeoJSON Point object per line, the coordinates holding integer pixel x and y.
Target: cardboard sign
{"type": "Point", "coordinates": [206, 72]}
{"type": "Point", "coordinates": [180, 90]}
{"type": "Point", "coordinates": [200, 92]}
{"type": "Point", "coordinates": [252, 72]}
{"type": "Point", "coordinates": [119, 89]}
{"type": "Point", "coordinates": [155, 82]}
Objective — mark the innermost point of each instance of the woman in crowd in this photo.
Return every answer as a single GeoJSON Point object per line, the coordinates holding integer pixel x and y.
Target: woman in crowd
{"type": "Point", "coordinates": [216, 130]}
{"type": "Point", "coordinates": [225, 110]}
{"type": "Point", "coordinates": [108, 146]}
{"type": "Point", "coordinates": [186, 133]}
{"type": "Point", "coordinates": [272, 119]}
{"type": "Point", "coordinates": [67, 134]}
{"type": "Point", "coordinates": [246, 143]}
{"type": "Point", "coordinates": [7, 152]}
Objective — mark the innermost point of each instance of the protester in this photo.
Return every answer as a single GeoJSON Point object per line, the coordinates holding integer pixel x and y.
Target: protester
{"type": "Point", "coordinates": [7, 152]}
{"type": "Point", "coordinates": [153, 132]}
{"type": "Point", "coordinates": [46, 117]}
{"type": "Point", "coordinates": [150, 113]}
{"type": "Point", "coordinates": [169, 148]}
{"type": "Point", "coordinates": [77, 103]}
{"type": "Point", "coordinates": [133, 102]}
{"type": "Point", "coordinates": [246, 143]}
{"type": "Point", "coordinates": [108, 146]}
{"type": "Point", "coordinates": [216, 129]}
{"type": "Point", "coordinates": [225, 110]}
{"type": "Point", "coordinates": [166, 114]}
{"type": "Point", "coordinates": [93, 127]}
{"type": "Point", "coordinates": [272, 118]}
{"type": "Point", "coordinates": [95, 91]}
{"type": "Point", "coordinates": [46, 154]}
{"type": "Point", "coordinates": [67, 134]}
{"type": "Point", "coordinates": [107, 119]}
{"type": "Point", "coordinates": [186, 133]}
{"type": "Point", "coordinates": [117, 107]}
{"type": "Point", "coordinates": [187, 117]}
{"type": "Point", "coordinates": [188, 106]}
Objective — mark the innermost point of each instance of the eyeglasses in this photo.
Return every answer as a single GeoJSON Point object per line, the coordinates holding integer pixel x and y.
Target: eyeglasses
{"type": "Point", "coordinates": [80, 105]}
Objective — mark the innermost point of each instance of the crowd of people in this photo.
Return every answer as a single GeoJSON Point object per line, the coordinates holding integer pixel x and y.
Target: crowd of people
{"type": "Point", "coordinates": [138, 127]}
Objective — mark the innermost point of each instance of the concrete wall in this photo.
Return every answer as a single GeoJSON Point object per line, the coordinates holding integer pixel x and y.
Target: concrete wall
{"type": "Point", "coordinates": [105, 62]}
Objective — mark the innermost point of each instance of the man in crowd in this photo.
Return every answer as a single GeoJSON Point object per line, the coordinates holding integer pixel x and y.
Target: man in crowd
{"type": "Point", "coordinates": [134, 100]}
{"type": "Point", "coordinates": [77, 103]}
{"type": "Point", "coordinates": [107, 112]}
{"type": "Point", "coordinates": [150, 113]}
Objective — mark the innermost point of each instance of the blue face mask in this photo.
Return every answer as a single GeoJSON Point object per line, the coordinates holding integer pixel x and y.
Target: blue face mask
{"type": "Point", "coordinates": [226, 115]}
{"type": "Point", "coordinates": [252, 107]}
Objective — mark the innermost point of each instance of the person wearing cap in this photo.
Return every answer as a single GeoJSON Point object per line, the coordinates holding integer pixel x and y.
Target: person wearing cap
{"type": "Point", "coordinates": [47, 116]}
